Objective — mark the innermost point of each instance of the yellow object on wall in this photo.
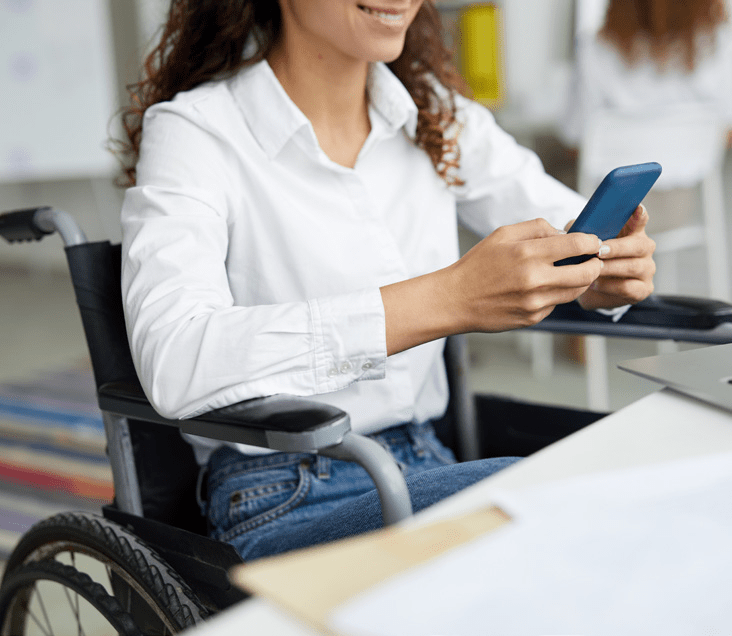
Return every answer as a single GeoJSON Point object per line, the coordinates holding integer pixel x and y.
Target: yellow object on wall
{"type": "Point", "coordinates": [481, 51]}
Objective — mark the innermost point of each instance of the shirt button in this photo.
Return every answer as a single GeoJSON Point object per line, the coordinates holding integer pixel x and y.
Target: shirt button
{"type": "Point", "coordinates": [366, 366]}
{"type": "Point", "coordinates": [333, 372]}
{"type": "Point", "coordinates": [345, 367]}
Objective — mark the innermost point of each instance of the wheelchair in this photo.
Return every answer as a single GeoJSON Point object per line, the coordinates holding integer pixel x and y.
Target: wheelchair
{"type": "Point", "coordinates": [145, 564]}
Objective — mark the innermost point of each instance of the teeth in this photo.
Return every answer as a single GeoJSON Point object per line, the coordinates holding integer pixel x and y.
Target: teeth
{"type": "Point", "coordinates": [394, 17]}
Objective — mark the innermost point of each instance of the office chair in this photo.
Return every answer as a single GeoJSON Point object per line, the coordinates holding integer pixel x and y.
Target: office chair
{"type": "Point", "coordinates": [145, 563]}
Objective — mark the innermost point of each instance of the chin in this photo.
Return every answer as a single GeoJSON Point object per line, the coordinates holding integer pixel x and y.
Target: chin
{"type": "Point", "coordinates": [387, 53]}
{"type": "Point", "coordinates": [390, 58]}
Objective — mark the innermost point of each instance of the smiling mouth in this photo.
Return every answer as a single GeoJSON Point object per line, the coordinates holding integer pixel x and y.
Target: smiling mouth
{"type": "Point", "coordinates": [386, 15]}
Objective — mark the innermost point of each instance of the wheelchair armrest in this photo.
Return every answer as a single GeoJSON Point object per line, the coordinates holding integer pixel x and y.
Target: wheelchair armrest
{"type": "Point", "coordinates": [284, 423]}
{"type": "Point", "coordinates": [281, 422]}
{"type": "Point", "coordinates": [658, 317]}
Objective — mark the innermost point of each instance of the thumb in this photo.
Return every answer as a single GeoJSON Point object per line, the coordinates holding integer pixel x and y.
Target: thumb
{"type": "Point", "coordinates": [637, 222]}
{"type": "Point", "coordinates": [639, 219]}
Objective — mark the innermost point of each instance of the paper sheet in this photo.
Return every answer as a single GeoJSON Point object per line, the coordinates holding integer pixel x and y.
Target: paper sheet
{"type": "Point", "coordinates": [310, 583]}
{"type": "Point", "coordinates": [639, 551]}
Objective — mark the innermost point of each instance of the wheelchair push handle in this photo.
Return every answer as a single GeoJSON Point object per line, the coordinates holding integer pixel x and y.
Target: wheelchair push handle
{"type": "Point", "coordinates": [33, 224]}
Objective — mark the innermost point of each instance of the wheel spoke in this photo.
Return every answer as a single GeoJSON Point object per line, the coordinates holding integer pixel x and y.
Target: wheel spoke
{"type": "Point", "coordinates": [78, 613]}
{"type": "Point", "coordinates": [75, 610]}
{"type": "Point", "coordinates": [45, 613]}
{"type": "Point", "coordinates": [37, 622]}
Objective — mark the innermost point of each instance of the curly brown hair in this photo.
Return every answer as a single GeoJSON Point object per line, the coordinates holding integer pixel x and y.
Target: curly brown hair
{"type": "Point", "coordinates": [668, 27]}
{"type": "Point", "coordinates": [203, 40]}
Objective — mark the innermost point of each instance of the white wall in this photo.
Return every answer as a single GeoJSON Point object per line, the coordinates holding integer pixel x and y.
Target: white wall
{"type": "Point", "coordinates": [92, 198]}
{"type": "Point", "coordinates": [538, 41]}
{"type": "Point", "coordinates": [150, 16]}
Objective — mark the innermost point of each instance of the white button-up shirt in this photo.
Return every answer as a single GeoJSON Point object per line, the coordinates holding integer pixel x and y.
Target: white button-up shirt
{"type": "Point", "coordinates": [252, 262]}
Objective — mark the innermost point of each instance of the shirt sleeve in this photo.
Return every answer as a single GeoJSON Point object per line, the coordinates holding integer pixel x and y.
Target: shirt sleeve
{"type": "Point", "coordinates": [505, 183]}
{"type": "Point", "coordinates": [194, 348]}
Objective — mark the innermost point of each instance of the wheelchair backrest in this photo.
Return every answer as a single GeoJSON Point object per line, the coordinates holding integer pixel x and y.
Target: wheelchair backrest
{"type": "Point", "coordinates": [95, 274]}
{"type": "Point", "coordinates": [166, 468]}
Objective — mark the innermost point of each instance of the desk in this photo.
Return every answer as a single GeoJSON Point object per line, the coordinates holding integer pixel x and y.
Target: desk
{"type": "Point", "coordinates": [660, 427]}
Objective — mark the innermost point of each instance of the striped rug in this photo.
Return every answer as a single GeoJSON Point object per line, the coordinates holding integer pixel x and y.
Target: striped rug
{"type": "Point", "coordinates": [52, 450]}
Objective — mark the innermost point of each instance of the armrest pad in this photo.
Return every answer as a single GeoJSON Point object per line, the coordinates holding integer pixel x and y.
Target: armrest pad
{"type": "Point", "coordinates": [281, 422]}
{"type": "Point", "coordinates": [658, 317]}
{"type": "Point", "coordinates": [681, 312]}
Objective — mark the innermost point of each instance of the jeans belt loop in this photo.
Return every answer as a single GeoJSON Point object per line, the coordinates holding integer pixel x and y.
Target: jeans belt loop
{"type": "Point", "coordinates": [416, 432]}
{"type": "Point", "coordinates": [322, 467]}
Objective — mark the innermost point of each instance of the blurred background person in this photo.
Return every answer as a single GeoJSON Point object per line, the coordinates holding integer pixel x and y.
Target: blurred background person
{"type": "Point", "coordinates": [649, 54]}
{"type": "Point", "coordinates": [646, 57]}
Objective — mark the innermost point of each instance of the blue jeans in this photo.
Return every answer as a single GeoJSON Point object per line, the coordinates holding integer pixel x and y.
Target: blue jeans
{"type": "Point", "coordinates": [267, 504]}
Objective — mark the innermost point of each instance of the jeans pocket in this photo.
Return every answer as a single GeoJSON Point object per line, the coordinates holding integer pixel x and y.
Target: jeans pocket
{"type": "Point", "coordinates": [439, 451]}
{"type": "Point", "coordinates": [248, 501]}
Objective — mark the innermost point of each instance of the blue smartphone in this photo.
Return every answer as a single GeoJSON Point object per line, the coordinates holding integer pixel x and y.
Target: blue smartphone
{"type": "Point", "coordinates": [613, 203]}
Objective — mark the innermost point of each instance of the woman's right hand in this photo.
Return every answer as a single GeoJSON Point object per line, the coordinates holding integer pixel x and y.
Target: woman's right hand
{"type": "Point", "coordinates": [509, 279]}
{"type": "Point", "coordinates": [506, 281]}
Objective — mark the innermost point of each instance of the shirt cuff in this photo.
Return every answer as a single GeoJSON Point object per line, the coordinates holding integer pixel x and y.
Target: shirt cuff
{"type": "Point", "coordinates": [350, 339]}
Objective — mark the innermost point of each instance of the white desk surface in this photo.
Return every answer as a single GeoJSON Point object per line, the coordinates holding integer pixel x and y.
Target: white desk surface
{"type": "Point", "coordinates": [660, 427]}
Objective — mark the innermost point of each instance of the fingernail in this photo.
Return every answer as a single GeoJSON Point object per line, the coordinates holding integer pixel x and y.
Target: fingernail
{"type": "Point", "coordinates": [604, 250]}
{"type": "Point", "coordinates": [643, 210]}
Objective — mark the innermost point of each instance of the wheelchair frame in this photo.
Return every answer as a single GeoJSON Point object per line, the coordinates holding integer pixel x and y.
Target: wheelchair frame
{"type": "Point", "coordinates": [163, 579]}
{"type": "Point", "coordinates": [282, 423]}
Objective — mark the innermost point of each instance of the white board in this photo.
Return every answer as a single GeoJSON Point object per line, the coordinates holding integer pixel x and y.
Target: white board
{"type": "Point", "coordinates": [57, 89]}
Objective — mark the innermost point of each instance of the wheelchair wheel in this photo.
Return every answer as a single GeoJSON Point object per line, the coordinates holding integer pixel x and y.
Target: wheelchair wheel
{"type": "Point", "coordinates": [146, 587]}
{"type": "Point", "coordinates": [48, 597]}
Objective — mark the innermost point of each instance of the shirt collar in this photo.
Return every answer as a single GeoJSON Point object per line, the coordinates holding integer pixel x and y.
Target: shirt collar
{"type": "Point", "coordinates": [274, 118]}
{"type": "Point", "coordinates": [391, 99]}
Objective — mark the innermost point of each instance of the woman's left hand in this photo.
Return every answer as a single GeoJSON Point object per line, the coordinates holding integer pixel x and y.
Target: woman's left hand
{"type": "Point", "coordinates": [627, 277]}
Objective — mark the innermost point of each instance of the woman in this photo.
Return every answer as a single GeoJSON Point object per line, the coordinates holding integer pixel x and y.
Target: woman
{"type": "Point", "coordinates": [292, 228]}
{"type": "Point", "coordinates": [651, 54]}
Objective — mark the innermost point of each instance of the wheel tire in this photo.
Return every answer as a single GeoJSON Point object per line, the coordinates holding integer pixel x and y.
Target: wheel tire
{"type": "Point", "coordinates": [21, 587]}
{"type": "Point", "coordinates": [146, 587]}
